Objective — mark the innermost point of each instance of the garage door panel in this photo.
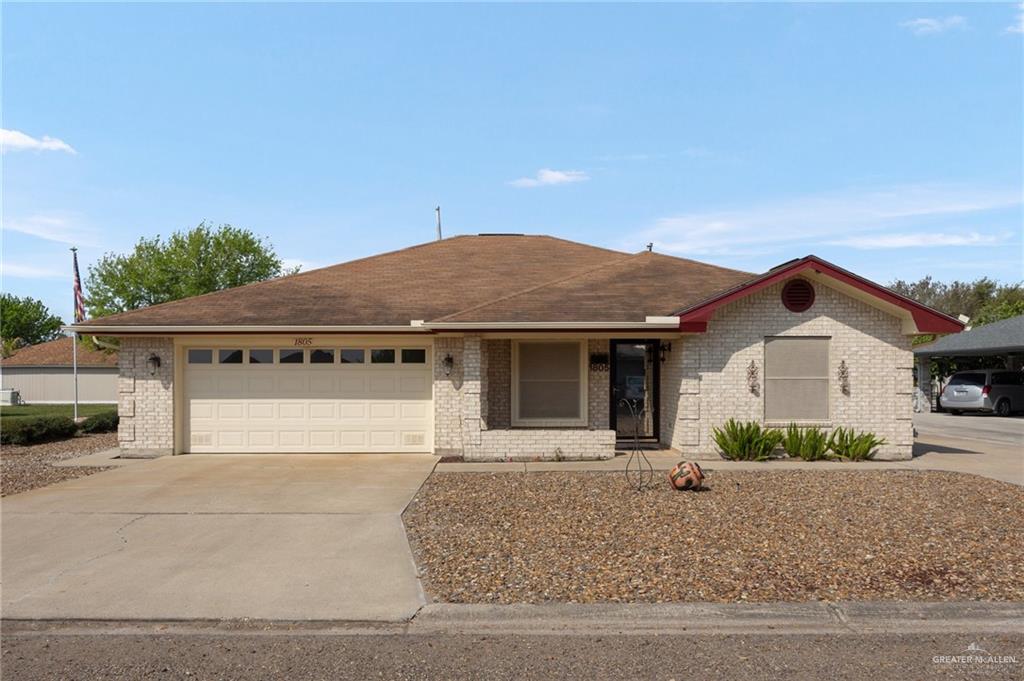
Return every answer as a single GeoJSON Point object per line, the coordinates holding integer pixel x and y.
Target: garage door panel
{"type": "Point", "coordinates": [261, 439]}
{"type": "Point", "coordinates": [308, 408]}
{"type": "Point", "coordinates": [383, 410]}
{"type": "Point", "coordinates": [261, 385]}
{"type": "Point", "coordinates": [291, 410]}
{"type": "Point", "coordinates": [230, 410]}
{"type": "Point", "coordinates": [229, 439]}
{"type": "Point", "coordinates": [261, 410]}
{"type": "Point", "coordinates": [322, 410]}
{"type": "Point", "coordinates": [352, 411]}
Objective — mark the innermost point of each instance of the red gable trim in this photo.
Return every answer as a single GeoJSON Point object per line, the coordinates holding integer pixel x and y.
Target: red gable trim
{"type": "Point", "coordinates": [926, 319]}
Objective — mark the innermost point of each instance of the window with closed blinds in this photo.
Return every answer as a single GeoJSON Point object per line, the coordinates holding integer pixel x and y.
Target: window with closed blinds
{"type": "Point", "coordinates": [549, 383]}
{"type": "Point", "coordinates": [796, 378]}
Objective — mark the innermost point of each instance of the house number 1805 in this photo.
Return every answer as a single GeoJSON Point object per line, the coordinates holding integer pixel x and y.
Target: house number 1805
{"type": "Point", "coordinates": [303, 341]}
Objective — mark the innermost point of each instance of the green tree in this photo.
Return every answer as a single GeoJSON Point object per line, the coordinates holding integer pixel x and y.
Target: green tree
{"type": "Point", "coordinates": [25, 321]}
{"type": "Point", "coordinates": [998, 310]}
{"type": "Point", "coordinates": [201, 260]}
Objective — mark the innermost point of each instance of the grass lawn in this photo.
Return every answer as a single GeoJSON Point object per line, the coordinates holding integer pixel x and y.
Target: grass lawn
{"type": "Point", "coordinates": [751, 536]}
{"type": "Point", "coordinates": [23, 410]}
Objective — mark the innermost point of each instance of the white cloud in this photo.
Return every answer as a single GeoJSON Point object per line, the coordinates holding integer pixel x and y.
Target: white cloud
{"type": "Point", "coordinates": [933, 25]}
{"type": "Point", "coordinates": [546, 176]}
{"type": "Point", "coordinates": [15, 140]}
{"type": "Point", "coordinates": [53, 228]}
{"type": "Point", "coordinates": [22, 271]}
{"type": "Point", "coordinates": [919, 240]}
{"type": "Point", "coordinates": [1019, 26]}
{"type": "Point", "coordinates": [809, 219]}
{"type": "Point", "coordinates": [303, 265]}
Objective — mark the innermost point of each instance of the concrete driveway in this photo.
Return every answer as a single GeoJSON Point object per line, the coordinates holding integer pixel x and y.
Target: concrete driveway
{"type": "Point", "coordinates": [302, 537]}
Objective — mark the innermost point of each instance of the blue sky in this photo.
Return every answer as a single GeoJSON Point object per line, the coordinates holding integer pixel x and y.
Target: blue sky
{"type": "Point", "coordinates": [887, 138]}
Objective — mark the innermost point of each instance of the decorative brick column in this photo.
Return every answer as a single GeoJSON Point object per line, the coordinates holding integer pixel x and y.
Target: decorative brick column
{"type": "Point", "coordinates": [474, 400]}
{"type": "Point", "coordinates": [145, 402]}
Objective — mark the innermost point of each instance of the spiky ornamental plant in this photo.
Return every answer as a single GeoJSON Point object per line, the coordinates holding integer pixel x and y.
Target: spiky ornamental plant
{"type": "Point", "coordinates": [851, 446]}
{"type": "Point", "coordinates": [746, 441]}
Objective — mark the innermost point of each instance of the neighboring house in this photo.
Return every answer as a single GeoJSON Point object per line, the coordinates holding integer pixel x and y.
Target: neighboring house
{"type": "Point", "coordinates": [512, 346]}
{"type": "Point", "coordinates": [43, 374]}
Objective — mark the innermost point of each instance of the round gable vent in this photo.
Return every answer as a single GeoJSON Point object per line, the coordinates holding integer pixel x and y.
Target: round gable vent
{"type": "Point", "coordinates": [798, 295]}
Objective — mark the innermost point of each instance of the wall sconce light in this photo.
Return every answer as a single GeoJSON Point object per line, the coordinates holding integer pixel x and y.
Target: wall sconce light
{"type": "Point", "coordinates": [665, 348]}
{"type": "Point", "coordinates": [447, 364]}
{"type": "Point", "coordinates": [753, 382]}
{"type": "Point", "coordinates": [153, 363]}
{"type": "Point", "coordinates": [843, 374]}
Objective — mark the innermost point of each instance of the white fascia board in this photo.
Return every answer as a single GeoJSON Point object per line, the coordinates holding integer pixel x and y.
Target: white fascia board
{"type": "Point", "coordinates": [120, 330]}
{"type": "Point", "coordinates": [674, 324]}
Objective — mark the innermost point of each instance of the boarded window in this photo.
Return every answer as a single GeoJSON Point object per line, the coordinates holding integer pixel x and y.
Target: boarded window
{"type": "Point", "coordinates": [549, 381]}
{"type": "Point", "coordinates": [796, 379]}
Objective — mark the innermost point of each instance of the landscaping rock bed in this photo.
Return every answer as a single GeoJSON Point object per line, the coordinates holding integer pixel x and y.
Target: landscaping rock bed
{"type": "Point", "coordinates": [25, 468]}
{"type": "Point", "coordinates": [751, 537]}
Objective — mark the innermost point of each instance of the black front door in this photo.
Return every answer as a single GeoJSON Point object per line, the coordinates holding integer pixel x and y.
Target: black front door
{"type": "Point", "coordinates": [634, 377]}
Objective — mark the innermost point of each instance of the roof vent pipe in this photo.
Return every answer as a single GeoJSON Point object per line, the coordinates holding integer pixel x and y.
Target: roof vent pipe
{"type": "Point", "coordinates": [438, 211]}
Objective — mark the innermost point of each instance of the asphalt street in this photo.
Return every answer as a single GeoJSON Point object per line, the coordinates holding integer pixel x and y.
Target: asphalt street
{"type": "Point", "coordinates": [31, 656]}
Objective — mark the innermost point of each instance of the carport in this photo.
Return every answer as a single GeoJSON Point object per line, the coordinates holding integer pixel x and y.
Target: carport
{"type": "Point", "coordinates": [996, 345]}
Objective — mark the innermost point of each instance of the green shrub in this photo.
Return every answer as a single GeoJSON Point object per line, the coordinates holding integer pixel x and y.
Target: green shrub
{"type": "Point", "coordinates": [810, 444]}
{"type": "Point", "coordinates": [746, 441]}
{"type": "Point", "coordinates": [104, 422]}
{"type": "Point", "coordinates": [26, 431]}
{"type": "Point", "coordinates": [851, 446]}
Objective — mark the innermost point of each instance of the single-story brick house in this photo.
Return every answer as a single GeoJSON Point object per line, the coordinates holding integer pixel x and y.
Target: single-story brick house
{"type": "Point", "coordinates": [43, 373]}
{"type": "Point", "coordinates": [513, 346]}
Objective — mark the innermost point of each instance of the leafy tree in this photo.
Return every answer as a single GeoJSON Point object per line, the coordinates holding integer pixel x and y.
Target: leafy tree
{"type": "Point", "coordinates": [25, 321]}
{"type": "Point", "coordinates": [201, 260]}
{"type": "Point", "coordinates": [983, 300]}
{"type": "Point", "coordinates": [998, 310]}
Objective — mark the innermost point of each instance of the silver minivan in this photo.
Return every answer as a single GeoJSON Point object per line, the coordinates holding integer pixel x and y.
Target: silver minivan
{"type": "Point", "coordinates": [986, 390]}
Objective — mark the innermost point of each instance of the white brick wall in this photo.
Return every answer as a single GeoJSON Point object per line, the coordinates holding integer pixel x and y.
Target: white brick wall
{"type": "Point", "coordinates": [145, 403]}
{"type": "Point", "coordinates": [473, 408]}
{"type": "Point", "coordinates": [704, 382]}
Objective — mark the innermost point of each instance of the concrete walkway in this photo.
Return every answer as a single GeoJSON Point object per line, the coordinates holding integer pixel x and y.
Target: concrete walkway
{"type": "Point", "coordinates": [312, 537]}
{"type": "Point", "coordinates": [995, 461]}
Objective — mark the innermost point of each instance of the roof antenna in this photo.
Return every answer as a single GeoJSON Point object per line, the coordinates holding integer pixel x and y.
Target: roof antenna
{"type": "Point", "coordinates": [650, 247]}
{"type": "Point", "coordinates": [438, 211]}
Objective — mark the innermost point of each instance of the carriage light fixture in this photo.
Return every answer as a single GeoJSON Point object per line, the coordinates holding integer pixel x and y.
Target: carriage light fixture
{"type": "Point", "coordinates": [665, 348]}
{"type": "Point", "coordinates": [153, 363]}
{"type": "Point", "coordinates": [447, 364]}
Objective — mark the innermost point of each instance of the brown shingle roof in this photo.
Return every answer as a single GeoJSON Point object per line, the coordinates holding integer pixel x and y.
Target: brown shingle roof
{"type": "Point", "coordinates": [421, 282]}
{"type": "Point", "coordinates": [504, 278]}
{"type": "Point", "coordinates": [631, 289]}
{"type": "Point", "coordinates": [58, 353]}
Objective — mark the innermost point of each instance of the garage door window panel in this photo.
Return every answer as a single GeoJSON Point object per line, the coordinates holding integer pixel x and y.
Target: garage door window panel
{"type": "Point", "coordinates": [414, 356]}
{"type": "Point", "coordinates": [353, 355]}
{"type": "Point", "coordinates": [382, 356]}
{"type": "Point", "coordinates": [200, 356]}
{"type": "Point", "coordinates": [321, 356]}
{"type": "Point", "coordinates": [291, 356]}
{"type": "Point", "coordinates": [796, 379]}
{"type": "Point", "coordinates": [549, 384]}
{"type": "Point", "coordinates": [229, 356]}
{"type": "Point", "coordinates": [261, 356]}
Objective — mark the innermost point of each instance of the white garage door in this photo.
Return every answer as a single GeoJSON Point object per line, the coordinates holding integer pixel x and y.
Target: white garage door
{"type": "Point", "coordinates": [341, 399]}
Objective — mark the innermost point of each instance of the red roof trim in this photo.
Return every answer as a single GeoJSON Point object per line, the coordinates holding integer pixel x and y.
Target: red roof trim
{"type": "Point", "coordinates": [926, 319]}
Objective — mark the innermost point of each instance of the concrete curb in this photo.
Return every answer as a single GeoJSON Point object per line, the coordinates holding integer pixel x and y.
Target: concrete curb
{"type": "Point", "coordinates": [714, 618]}
{"type": "Point", "coordinates": [597, 619]}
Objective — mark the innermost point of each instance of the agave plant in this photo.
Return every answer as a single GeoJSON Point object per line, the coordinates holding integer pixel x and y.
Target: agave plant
{"type": "Point", "coordinates": [746, 441]}
{"type": "Point", "coordinates": [851, 446]}
{"type": "Point", "coordinates": [810, 444]}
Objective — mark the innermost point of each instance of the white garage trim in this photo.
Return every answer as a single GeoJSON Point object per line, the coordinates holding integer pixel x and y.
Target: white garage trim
{"type": "Point", "coordinates": [306, 395]}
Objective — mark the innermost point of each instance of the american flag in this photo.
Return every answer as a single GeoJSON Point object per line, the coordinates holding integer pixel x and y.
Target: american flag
{"type": "Point", "coordinates": [79, 302]}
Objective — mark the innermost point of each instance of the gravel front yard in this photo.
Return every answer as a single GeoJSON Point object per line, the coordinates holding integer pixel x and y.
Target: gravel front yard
{"type": "Point", "coordinates": [25, 468]}
{"type": "Point", "coordinates": [753, 536]}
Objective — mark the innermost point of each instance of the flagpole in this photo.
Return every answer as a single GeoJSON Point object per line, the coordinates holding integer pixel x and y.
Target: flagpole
{"type": "Point", "coordinates": [74, 336]}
